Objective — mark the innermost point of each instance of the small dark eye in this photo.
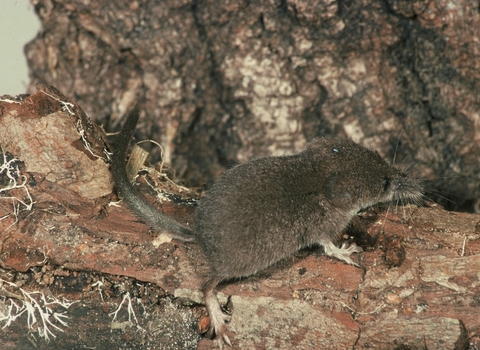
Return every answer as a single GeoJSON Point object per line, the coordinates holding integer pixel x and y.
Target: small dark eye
{"type": "Point", "coordinates": [335, 150]}
{"type": "Point", "coordinates": [386, 184]}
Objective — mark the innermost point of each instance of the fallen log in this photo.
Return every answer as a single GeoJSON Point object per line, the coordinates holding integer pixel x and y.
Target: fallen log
{"type": "Point", "coordinates": [418, 287]}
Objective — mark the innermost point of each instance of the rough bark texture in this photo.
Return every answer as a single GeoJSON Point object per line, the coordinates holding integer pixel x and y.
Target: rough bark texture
{"type": "Point", "coordinates": [419, 286]}
{"type": "Point", "coordinates": [224, 81]}
{"type": "Point", "coordinates": [220, 82]}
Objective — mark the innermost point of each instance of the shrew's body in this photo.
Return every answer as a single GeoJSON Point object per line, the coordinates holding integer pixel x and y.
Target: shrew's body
{"type": "Point", "coordinates": [266, 209]}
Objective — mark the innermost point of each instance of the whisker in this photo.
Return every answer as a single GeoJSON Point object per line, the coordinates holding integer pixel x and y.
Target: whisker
{"type": "Point", "coordinates": [443, 197]}
{"type": "Point", "coordinates": [396, 148]}
{"type": "Point", "coordinates": [447, 177]}
{"type": "Point", "coordinates": [386, 216]}
{"type": "Point", "coordinates": [411, 163]}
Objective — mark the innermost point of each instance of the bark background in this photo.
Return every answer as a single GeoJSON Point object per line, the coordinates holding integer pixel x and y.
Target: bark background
{"type": "Point", "coordinates": [64, 234]}
{"type": "Point", "coordinates": [221, 82]}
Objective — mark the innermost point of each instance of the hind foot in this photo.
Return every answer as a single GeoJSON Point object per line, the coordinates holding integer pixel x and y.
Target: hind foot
{"type": "Point", "coordinates": [218, 319]}
{"type": "Point", "coordinates": [218, 328]}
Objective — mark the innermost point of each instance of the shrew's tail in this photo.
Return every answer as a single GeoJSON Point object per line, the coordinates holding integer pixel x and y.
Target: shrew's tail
{"type": "Point", "coordinates": [137, 205]}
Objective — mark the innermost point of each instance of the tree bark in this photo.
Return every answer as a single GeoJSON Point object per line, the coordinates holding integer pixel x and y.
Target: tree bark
{"type": "Point", "coordinates": [418, 286]}
{"type": "Point", "coordinates": [224, 81]}
{"type": "Point", "coordinates": [221, 82]}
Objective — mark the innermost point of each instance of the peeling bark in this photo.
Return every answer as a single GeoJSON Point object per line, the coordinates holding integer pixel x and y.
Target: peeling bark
{"type": "Point", "coordinates": [418, 286]}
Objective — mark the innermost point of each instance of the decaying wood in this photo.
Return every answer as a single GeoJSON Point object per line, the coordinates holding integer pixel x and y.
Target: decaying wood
{"type": "Point", "coordinates": [419, 286]}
